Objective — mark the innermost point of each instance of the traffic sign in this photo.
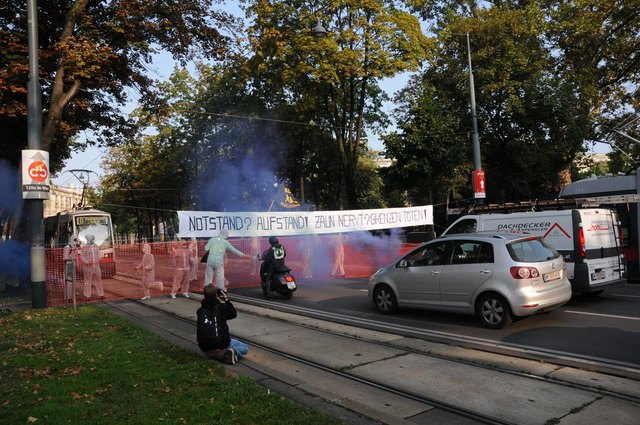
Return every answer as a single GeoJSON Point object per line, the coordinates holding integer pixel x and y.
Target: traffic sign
{"type": "Point", "coordinates": [479, 190]}
{"type": "Point", "coordinates": [35, 174]}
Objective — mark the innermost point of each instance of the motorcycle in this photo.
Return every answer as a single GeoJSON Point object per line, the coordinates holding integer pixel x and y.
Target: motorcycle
{"type": "Point", "coordinates": [282, 283]}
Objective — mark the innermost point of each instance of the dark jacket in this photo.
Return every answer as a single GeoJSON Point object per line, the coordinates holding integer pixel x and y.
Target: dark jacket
{"type": "Point", "coordinates": [226, 311]}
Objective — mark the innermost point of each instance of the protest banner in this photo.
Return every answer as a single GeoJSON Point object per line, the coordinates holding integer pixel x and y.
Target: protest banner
{"type": "Point", "coordinates": [205, 224]}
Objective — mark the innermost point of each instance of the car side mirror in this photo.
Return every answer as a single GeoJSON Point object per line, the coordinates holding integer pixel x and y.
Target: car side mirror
{"type": "Point", "coordinates": [402, 263]}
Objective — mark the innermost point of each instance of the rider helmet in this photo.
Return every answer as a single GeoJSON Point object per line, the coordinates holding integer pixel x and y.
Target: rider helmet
{"type": "Point", "coordinates": [273, 241]}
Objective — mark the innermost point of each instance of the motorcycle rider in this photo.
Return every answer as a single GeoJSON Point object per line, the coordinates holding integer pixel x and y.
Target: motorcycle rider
{"type": "Point", "coordinates": [272, 261]}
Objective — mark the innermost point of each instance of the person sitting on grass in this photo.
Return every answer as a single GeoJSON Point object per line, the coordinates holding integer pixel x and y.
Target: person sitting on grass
{"type": "Point", "coordinates": [212, 329]}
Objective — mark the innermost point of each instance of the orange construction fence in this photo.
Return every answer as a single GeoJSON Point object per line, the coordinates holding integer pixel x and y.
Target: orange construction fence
{"type": "Point", "coordinates": [311, 258]}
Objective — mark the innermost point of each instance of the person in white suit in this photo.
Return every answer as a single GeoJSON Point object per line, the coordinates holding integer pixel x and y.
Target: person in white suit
{"type": "Point", "coordinates": [148, 266]}
{"type": "Point", "coordinates": [92, 274]}
{"type": "Point", "coordinates": [217, 247]}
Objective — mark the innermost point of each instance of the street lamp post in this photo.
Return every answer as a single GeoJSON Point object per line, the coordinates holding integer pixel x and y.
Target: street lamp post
{"type": "Point", "coordinates": [479, 189]}
{"type": "Point", "coordinates": [34, 207]}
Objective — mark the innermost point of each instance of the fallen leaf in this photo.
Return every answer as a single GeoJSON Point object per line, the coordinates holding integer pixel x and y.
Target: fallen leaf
{"type": "Point", "coordinates": [32, 420]}
{"type": "Point", "coordinates": [102, 390]}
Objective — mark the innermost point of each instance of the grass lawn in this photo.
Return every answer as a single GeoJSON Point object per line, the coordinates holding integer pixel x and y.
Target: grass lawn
{"type": "Point", "coordinates": [101, 369]}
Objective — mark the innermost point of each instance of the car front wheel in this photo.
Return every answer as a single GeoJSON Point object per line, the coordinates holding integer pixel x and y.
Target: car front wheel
{"type": "Point", "coordinates": [494, 311]}
{"type": "Point", "coordinates": [385, 300]}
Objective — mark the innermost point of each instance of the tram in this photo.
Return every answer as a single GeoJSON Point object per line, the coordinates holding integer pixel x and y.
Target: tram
{"type": "Point", "coordinates": [81, 222]}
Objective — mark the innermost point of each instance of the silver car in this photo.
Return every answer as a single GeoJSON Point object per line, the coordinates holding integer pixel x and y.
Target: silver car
{"type": "Point", "coordinates": [498, 277]}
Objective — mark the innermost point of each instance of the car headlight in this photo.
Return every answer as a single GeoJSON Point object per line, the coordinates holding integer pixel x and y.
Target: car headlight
{"type": "Point", "coordinates": [373, 277]}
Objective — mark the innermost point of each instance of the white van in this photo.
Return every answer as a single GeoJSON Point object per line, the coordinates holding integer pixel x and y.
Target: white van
{"type": "Point", "coordinates": [589, 239]}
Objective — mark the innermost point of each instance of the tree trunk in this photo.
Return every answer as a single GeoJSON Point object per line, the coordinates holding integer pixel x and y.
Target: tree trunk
{"type": "Point", "coordinates": [59, 98]}
{"type": "Point", "coordinates": [563, 177]}
{"type": "Point", "coordinates": [350, 186]}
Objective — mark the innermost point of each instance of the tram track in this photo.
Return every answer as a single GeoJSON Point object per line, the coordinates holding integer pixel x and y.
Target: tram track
{"type": "Point", "coordinates": [560, 358]}
{"type": "Point", "coordinates": [452, 409]}
{"type": "Point", "coordinates": [538, 355]}
{"type": "Point", "coordinates": [384, 387]}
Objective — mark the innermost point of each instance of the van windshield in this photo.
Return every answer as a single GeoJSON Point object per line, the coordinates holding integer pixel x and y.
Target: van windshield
{"type": "Point", "coordinates": [468, 225]}
{"type": "Point", "coordinates": [531, 250]}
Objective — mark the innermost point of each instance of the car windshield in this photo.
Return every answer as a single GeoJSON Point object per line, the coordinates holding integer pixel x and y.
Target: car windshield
{"type": "Point", "coordinates": [531, 250]}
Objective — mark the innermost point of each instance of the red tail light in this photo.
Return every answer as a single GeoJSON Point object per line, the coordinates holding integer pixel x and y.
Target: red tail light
{"type": "Point", "coordinates": [289, 278]}
{"type": "Point", "coordinates": [583, 252]}
{"type": "Point", "coordinates": [524, 272]}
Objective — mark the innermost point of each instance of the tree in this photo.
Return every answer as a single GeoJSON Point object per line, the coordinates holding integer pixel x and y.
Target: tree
{"type": "Point", "coordinates": [144, 182]}
{"type": "Point", "coordinates": [431, 148]}
{"type": "Point", "coordinates": [547, 81]}
{"type": "Point", "coordinates": [148, 177]}
{"type": "Point", "coordinates": [515, 97]}
{"type": "Point", "coordinates": [332, 81]}
{"type": "Point", "coordinates": [598, 41]}
{"type": "Point", "coordinates": [91, 53]}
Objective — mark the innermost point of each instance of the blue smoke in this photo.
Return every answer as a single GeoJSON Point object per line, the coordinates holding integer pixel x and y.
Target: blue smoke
{"type": "Point", "coordinates": [10, 198]}
{"type": "Point", "coordinates": [14, 260]}
{"type": "Point", "coordinates": [14, 255]}
{"type": "Point", "coordinates": [244, 177]}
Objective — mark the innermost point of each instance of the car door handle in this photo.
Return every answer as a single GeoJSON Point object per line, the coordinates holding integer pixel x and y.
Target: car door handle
{"type": "Point", "coordinates": [485, 271]}
{"type": "Point", "coordinates": [435, 272]}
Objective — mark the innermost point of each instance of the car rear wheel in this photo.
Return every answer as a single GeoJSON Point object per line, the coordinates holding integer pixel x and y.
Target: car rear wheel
{"type": "Point", "coordinates": [385, 300]}
{"type": "Point", "coordinates": [494, 311]}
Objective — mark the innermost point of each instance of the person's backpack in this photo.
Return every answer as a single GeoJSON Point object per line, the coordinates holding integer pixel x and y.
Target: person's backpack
{"type": "Point", "coordinates": [210, 327]}
{"type": "Point", "coordinates": [278, 252]}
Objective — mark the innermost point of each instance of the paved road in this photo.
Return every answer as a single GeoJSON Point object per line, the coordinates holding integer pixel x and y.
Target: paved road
{"type": "Point", "coordinates": [604, 328]}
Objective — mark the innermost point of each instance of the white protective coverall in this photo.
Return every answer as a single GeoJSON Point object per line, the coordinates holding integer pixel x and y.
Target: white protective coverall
{"type": "Point", "coordinates": [182, 267]}
{"type": "Point", "coordinates": [216, 247]}
{"type": "Point", "coordinates": [92, 274]}
{"type": "Point", "coordinates": [194, 259]}
{"type": "Point", "coordinates": [338, 256]}
{"type": "Point", "coordinates": [70, 253]}
{"type": "Point", "coordinates": [148, 266]}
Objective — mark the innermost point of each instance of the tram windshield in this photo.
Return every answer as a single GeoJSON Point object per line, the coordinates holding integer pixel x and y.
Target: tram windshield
{"type": "Point", "coordinates": [96, 225]}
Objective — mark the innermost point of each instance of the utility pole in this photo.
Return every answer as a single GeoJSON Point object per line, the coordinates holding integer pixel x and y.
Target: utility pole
{"type": "Point", "coordinates": [479, 189]}
{"type": "Point", "coordinates": [35, 163]}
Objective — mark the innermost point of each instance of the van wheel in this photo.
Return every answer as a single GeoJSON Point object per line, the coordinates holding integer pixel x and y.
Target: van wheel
{"type": "Point", "coordinates": [385, 300]}
{"type": "Point", "coordinates": [493, 311]}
